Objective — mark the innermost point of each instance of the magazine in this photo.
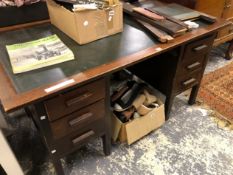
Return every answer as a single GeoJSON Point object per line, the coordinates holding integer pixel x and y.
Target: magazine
{"type": "Point", "coordinates": [38, 53]}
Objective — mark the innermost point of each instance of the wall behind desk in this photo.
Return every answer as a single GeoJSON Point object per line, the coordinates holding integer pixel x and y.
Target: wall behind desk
{"type": "Point", "coordinates": [10, 16]}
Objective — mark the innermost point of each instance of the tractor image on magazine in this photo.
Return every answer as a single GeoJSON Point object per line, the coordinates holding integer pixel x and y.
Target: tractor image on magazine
{"type": "Point", "coordinates": [45, 53]}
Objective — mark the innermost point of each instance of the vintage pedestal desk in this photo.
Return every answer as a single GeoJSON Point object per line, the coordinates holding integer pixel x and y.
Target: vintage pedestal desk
{"type": "Point", "coordinates": [70, 102]}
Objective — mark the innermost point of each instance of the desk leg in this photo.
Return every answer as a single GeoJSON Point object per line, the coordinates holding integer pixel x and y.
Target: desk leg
{"type": "Point", "coordinates": [34, 112]}
{"type": "Point", "coordinates": [106, 138]}
{"type": "Point", "coordinates": [229, 54]}
{"type": "Point", "coordinates": [58, 166]}
{"type": "Point", "coordinates": [168, 105]}
{"type": "Point", "coordinates": [193, 95]}
{"type": "Point", "coordinates": [106, 144]}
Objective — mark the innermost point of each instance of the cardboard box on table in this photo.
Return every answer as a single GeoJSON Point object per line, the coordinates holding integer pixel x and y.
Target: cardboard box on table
{"type": "Point", "coordinates": [86, 26]}
{"type": "Point", "coordinates": [137, 128]}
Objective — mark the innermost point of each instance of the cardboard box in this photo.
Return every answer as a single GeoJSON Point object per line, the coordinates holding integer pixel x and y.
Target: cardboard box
{"type": "Point", "coordinates": [135, 129]}
{"type": "Point", "coordinates": [86, 26]}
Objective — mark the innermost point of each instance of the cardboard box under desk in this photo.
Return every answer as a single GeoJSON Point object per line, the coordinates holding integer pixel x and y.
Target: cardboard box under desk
{"type": "Point", "coordinates": [137, 128]}
{"type": "Point", "coordinates": [86, 26]}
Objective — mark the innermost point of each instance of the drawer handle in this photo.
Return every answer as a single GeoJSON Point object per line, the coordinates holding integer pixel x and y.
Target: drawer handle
{"type": "Point", "coordinates": [82, 137]}
{"type": "Point", "coordinates": [194, 65]}
{"type": "Point", "coordinates": [80, 119]}
{"type": "Point", "coordinates": [78, 99]}
{"type": "Point", "coordinates": [190, 81]}
{"type": "Point", "coordinates": [199, 48]}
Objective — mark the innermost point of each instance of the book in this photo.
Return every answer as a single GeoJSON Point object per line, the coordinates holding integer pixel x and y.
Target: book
{"type": "Point", "coordinates": [38, 53]}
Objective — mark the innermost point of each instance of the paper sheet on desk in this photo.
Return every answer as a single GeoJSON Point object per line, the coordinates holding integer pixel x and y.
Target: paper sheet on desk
{"type": "Point", "coordinates": [38, 53]}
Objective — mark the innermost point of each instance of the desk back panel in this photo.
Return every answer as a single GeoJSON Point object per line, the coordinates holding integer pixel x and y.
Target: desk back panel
{"type": "Point", "coordinates": [97, 53]}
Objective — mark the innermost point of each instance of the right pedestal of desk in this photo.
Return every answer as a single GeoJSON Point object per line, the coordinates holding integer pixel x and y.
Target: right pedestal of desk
{"type": "Point", "coordinates": [179, 69]}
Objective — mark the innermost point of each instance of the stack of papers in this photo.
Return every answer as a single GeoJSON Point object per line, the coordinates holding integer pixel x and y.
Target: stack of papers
{"type": "Point", "coordinates": [38, 53]}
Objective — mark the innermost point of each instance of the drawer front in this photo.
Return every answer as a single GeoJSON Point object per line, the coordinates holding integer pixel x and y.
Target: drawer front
{"type": "Point", "coordinates": [226, 30]}
{"type": "Point", "coordinates": [197, 48]}
{"type": "Point", "coordinates": [188, 81]}
{"type": "Point", "coordinates": [70, 143]}
{"type": "Point", "coordinates": [78, 119]}
{"type": "Point", "coordinates": [71, 101]}
{"type": "Point", "coordinates": [192, 65]}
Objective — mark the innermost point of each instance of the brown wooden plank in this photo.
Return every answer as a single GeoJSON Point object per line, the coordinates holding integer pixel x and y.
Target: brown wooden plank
{"type": "Point", "coordinates": [170, 27]}
{"type": "Point", "coordinates": [171, 19]}
{"type": "Point", "coordinates": [148, 13]}
{"type": "Point", "coordinates": [160, 35]}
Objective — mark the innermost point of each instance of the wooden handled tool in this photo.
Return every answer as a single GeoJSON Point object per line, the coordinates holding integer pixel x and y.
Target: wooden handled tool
{"type": "Point", "coordinates": [158, 34]}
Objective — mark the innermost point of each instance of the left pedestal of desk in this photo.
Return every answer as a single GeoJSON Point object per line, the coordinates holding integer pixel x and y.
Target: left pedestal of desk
{"type": "Point", "coordinates": [73, 117]}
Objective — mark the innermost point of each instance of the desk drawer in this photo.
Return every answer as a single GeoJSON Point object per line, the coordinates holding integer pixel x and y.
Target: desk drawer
{"type": "Point", "coordinates": [198, 48]}
{"type": "Point", "coordinates": [226, 30]}
{"type": "Point", "coordinates": [76, 139]}
{"type": "Point", "coordinates": [78, 119]}
{"type": "Point", "coordinates": [188, 81]}
{"type": "Point", "coordinates": [189, 66]}
{"type": "Point", "coordinates": [71, 101]}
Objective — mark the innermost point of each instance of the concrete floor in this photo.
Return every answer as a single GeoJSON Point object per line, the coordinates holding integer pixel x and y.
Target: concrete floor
{"type": "Point", "coordinates": [190, 142]}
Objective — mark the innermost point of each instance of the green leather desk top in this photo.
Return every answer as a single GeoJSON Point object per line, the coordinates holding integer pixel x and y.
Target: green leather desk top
{"type": "Point", "coordinates": [87, 56]}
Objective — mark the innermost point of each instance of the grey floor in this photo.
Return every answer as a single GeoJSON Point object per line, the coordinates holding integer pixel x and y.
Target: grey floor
{"type": "Point", "coordinates": [191, 142]}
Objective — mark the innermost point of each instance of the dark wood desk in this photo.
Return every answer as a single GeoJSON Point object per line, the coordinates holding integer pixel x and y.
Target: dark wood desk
{"type": "Point", "coordinates": [69, 116]}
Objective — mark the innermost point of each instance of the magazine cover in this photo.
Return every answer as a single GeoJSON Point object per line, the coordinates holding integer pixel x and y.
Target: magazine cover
{"type": "Point", "coordinates": [38, 53]}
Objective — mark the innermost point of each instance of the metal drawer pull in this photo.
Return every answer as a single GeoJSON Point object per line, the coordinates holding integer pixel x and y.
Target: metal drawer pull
{"type": "Point", "coordinates": [82, 137]}
{"type": "Point", "coordinates": [190, 81]}
{"type": "Point", "coordinates": [80, 119]}
{"type": "Point", "coordinates": [78, 99]}
{"type": "Point", "coordinates": [194, 65]}
{"type": "Point", "coordinates": [199, 48]}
